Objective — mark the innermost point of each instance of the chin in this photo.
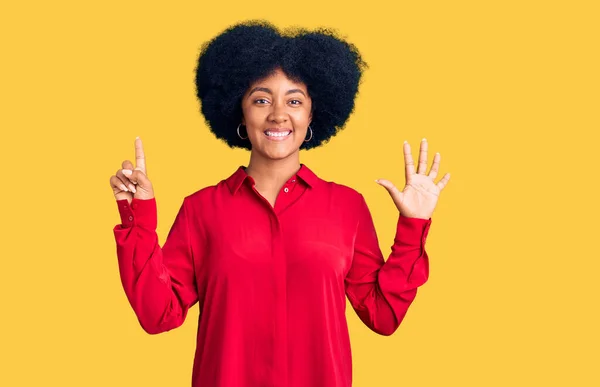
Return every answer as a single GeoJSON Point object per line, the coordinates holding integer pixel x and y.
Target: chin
{"type": "Point", "coordinates": [278, 154]}
{"type": "Point", "coordinates": [276, 151]}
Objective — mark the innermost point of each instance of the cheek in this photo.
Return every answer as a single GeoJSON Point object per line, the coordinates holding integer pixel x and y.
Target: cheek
{"type": "Point", "coordinates": [253, 116]}
{"type": "Point", "coordinates": [302, 117]}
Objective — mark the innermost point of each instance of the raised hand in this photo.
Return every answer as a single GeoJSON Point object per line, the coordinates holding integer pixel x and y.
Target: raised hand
{"type": "Point", "coordinates": [420, 195]}
{"type": "Point", "coordinates": [128, 182]}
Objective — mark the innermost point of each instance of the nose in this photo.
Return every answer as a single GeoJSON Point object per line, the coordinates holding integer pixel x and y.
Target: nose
{"type": "Point", "coordinates": [278, 113]}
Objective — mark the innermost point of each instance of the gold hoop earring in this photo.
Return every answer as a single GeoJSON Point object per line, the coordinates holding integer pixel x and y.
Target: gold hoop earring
{"type": "Point", "coordinates": [311, 134]}
{"type": "Point", "coordinates": [238, 132]}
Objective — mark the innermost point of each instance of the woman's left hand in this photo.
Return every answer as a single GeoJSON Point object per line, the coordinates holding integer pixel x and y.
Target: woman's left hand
{"type": "Point", "coordinates": [420, 195]}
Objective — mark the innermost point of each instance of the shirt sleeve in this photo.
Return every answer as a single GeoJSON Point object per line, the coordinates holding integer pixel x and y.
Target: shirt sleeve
{"type": "Point", "coordinates": [381, 291]}
{"type": "Point", "coordinates": [159, 282]}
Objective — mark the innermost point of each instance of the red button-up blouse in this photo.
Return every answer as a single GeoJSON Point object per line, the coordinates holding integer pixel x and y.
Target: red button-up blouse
{"type": "Point", "coordinates": [270, 281]}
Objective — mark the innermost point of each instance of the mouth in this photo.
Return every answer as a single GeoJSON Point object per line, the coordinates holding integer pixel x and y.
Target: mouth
{"type": "Point", "coordinates": [278, 135]}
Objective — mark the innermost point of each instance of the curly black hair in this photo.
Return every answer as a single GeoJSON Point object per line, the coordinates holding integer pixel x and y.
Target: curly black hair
{"type": "Point", "coordinates": [330, 67]}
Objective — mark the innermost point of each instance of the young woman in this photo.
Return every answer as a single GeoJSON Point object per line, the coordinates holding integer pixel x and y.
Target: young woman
{"type": "Point", "coordinates": [271, 252]}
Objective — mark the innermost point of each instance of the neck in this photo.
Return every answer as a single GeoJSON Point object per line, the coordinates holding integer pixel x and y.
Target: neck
{"type": "Point", "coordinates": [272, 174]}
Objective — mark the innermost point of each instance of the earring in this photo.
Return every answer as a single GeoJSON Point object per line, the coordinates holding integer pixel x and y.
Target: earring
{"type": "Point", "coordinates": [238, 132]}
{"type": "Point", "coordinates": [311, 134]}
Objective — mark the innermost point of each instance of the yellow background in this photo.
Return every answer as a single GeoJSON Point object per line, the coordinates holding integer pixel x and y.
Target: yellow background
{"type": "Point", "coordinates": [506, 91]}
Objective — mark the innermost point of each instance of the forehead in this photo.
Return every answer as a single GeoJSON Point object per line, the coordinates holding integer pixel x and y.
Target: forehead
{"type": "Point", "coordinates": [278, 77]}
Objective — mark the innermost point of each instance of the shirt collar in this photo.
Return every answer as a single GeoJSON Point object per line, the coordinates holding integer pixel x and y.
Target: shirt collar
{"type": "Point", "coordinates": [239, 176]}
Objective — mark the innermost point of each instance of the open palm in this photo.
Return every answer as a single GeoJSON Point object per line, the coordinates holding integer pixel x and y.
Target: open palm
{"type": "Point", "coordinates": [420, 194]}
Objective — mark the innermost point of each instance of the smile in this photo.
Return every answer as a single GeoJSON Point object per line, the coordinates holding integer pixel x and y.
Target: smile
{"type": "Point", "coordinates": [277, 135]}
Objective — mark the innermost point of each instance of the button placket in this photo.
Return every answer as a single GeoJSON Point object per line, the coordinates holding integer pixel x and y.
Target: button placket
{"type": "Point", "coordinates": [280, 307]}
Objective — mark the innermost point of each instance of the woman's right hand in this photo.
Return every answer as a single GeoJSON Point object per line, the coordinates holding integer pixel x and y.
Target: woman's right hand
{"type": "Point", "coordinates": [129, 183]}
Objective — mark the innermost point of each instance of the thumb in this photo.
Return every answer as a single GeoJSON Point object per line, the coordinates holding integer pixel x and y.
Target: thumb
{"type": "Point", "coordinates": [392, 190]}
{"type": "Point", "coordinates": [137, 176]}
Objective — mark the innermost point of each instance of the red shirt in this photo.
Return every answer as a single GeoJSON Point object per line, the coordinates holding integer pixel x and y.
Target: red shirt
{"type": "Point", "coordinates": [271, 282]}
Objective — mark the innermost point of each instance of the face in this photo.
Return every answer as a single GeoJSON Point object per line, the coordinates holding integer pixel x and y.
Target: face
{"type": "Point", "coordinates": [276, 113]}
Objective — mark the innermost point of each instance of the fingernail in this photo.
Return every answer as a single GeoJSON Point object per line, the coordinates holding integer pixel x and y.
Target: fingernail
{"type": "Point", "coordinates": [132, 188]}
{"type": "Point", "coordinates": [376, 181]}
{"type": "Point", "coordinates": [123, 187]}
{"type": "Point", "coordinates": [405, 141]}
{"type": "Point", "coordinates": [127, 172]}
{"type": "Point", "coordinates": [424, 139]}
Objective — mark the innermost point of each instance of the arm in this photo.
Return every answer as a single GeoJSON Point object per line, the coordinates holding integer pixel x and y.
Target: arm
{"type": "Point", "coordinates": [381, 291]}
{"type": "Point", "coordinates": [159, 282]}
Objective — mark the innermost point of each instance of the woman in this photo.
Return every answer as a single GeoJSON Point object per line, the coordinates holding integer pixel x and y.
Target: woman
{"type": "Point", "coordinates": [271, 252]}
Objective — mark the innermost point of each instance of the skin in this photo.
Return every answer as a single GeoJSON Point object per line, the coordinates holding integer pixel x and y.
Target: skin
{"type": "Point", "coordinates": [420, 194]}
{"type": "Point", "coordinates": [275, 102]}
{"type": "Point", "coordinates": [287, 104]}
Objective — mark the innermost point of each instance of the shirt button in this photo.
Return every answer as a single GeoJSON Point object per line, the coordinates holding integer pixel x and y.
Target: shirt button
{"type": "Point", "coordinates": [286, 189]}
{"type": "Point", "coordinates": [293, 181]}
{"type": "Point", "coordinates": [130, 218]}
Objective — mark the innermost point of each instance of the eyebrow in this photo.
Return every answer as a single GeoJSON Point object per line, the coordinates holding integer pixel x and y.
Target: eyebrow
{"type": "Point", "coordinates": [267, 90]}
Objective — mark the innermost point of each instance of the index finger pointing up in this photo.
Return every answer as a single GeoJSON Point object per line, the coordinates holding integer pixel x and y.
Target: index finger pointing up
{"type": "Point", "coordinates": [140, 160]}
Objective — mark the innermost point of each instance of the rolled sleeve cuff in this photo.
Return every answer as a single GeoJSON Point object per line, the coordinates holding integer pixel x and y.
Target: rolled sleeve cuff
{"type": "Point", "coordinates": [412, 231]}
{"type": "Point", "coordinates": [141, 212]}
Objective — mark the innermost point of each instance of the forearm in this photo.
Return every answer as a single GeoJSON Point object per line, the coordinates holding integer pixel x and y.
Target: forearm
{"type": "Point", "coordinates": [381, 291]}
{"type": "Point", "coordinates": [146, 281]}
{"type": "Point", "coordinates": [148, 284]}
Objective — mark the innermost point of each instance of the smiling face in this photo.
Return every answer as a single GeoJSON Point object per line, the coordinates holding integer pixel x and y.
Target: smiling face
{"type": "Point", "coordinates": [276, 113]}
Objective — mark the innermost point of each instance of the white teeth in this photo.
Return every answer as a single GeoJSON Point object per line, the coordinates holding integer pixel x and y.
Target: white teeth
{"type": "Point", "coordinates": [277, 134]}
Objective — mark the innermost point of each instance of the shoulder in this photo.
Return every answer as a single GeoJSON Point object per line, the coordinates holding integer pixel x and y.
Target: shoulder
{"type": "Point", "coordinates": [201, 194]}
{"type": "Point", "coordinates": [200, 205]}
{"type": "Point", "coordinates": [344, 190]}
{"type": "Point", "coordinates": [344, 193]}
{"type": "Point", "coordinates": [206, 194]}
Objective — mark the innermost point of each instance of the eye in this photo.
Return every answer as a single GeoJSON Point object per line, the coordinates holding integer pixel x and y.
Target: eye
{"type": "Point", "coordinates": [296, 100]}
{"type": "Point", "coordinates": [260, 99]}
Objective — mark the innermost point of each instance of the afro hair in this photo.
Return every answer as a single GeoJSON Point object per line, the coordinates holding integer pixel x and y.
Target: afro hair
{"type": "Point", "coordinates": [330, 67]}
